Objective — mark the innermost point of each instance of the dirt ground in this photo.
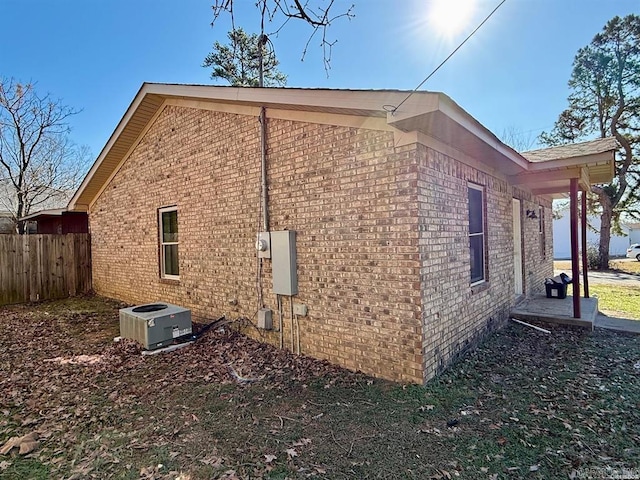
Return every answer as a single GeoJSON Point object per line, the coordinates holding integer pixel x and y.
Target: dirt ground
{"type": "Point", "coordinates": [523, 405]}
{"type": "Point", "coordinates": [92, 402]}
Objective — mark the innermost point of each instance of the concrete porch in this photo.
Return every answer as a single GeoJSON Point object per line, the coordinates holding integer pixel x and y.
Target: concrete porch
{"type": "Point", "coordinates": [555, 310]}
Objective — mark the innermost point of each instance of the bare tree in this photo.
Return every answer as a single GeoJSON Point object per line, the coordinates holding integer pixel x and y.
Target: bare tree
{"type": "Point", "coordinates": [39, 164]}
{"type": "Point", "coordinates": [318, 14]}
{"type": "Point", "coordinates": [517, 139]}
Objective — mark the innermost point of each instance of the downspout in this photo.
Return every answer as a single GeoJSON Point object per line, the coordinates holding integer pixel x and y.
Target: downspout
{"type": "Point", "coordinates": [262, 40]}
{"type": "Point", "coordinates": [263, 169]}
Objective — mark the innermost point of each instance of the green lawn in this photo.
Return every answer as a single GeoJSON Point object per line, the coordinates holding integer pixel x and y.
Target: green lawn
{"type": "Point", "coordinates": [613, 300]}
{"type": "Point", "coordinates": [524, 405]}
{"type": "Point", "coordinates": [617, 301]}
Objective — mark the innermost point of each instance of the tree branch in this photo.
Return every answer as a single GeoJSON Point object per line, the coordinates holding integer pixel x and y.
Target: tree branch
{"type": "Point", "coordinates": [322, 19]}
{"type": "Point", "coordinates": [35, 152]}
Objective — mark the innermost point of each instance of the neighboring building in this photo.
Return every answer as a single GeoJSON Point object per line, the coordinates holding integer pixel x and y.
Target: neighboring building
{"type": "Point", "coordinates": [6, 217]}
{"type": "Point", "coordinates": [634, 232]}
{"type": "Point", "coordinates": [562, 239]}
{"type": "Point", "coordinates": [50, 199]}
{"type": "Point", "coordinates": [6, 222]}
{"type": "Point", "coordinates": [58, 222]}
{"type": "Point", "coordinates": [416, 229]}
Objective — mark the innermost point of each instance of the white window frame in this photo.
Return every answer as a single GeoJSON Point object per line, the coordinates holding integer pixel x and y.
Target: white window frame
{"type": "Point", "coordinates": [163, 273]}
{"type": "Point", "coordinates": [482, 233]}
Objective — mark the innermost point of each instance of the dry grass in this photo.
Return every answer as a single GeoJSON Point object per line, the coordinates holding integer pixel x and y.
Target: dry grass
{"type": "Point", "coordinates": [524, 405]}
{"type": "Point", "coordinates": [625, 265]}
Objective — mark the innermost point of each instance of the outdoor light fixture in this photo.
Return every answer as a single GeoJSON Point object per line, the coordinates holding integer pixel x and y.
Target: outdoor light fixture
{"type": "Point", "coordinates": [532, 214]}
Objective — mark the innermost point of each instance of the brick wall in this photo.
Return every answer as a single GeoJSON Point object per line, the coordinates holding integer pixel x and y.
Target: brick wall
{"type": "Point", "coordinates": [538, 261]}
{"type": "Point", "coordinates": [382, 236]}
{"type": "Point", "coordinates": [349, 195]}
{"type": "Point", "coordinates": [456, 315]}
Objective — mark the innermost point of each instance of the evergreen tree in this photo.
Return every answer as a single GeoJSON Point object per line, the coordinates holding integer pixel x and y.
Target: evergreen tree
{"type": "Point", "coordinates": [239, 62]}
{"type": "Point", "coordinates": [605, 101]}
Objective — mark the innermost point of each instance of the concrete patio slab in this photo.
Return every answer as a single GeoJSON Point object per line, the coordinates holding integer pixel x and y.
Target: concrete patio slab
{"type": "Point", "coordinates": [618, 324]}
{"type": "Point", "coordinates": [555, 310]}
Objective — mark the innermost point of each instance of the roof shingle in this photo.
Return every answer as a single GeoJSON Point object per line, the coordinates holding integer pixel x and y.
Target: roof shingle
{"type": "Point", "coordinates": [591, 147]}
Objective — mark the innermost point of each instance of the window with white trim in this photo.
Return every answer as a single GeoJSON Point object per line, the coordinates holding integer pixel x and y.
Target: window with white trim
{"type": "Point", "coordinates": [477, 242]}
{"type": "Point", "coordinates": [168, 227]}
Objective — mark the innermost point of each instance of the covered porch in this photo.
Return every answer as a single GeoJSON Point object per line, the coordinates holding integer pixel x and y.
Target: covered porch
{"type": "Point", "coordinates": [539, 308]}
{"type": "Point", "coordinates": [555, 172]}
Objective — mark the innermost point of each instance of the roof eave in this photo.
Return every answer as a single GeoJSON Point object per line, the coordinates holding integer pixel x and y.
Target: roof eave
{"type": "Point", "coordinates": [446, 121]}
{"type": "Point", "coordinates": [431, 113]}
{"type": "Point", "coordinates": [53, 212]}
{"type": "Point", "coordinates": [152, 96]}
{"type": "Point", "coordinates": [74, 203]}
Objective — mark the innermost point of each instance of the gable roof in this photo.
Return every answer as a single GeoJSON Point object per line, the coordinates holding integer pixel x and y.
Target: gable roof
{"type": "Point", "coordinates": [427, 114]}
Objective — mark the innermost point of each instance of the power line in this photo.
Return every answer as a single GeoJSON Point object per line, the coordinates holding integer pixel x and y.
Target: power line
{"type": "Point", "coordinates": [394, 109]}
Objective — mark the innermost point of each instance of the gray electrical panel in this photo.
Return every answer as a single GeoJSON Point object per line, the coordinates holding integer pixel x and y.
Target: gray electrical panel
{"type": "Point", "coordinates": [265, 319]}
{"type": "Point", "coordinates": [283, 262]}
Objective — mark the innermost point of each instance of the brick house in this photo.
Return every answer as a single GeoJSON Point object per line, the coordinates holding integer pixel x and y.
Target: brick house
{"type": "Point", "coordinates": [416, 229]}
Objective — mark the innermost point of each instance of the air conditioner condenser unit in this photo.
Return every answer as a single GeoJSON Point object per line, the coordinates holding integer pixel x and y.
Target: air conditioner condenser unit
{"type": "Point", "coordinates": [155, 325]}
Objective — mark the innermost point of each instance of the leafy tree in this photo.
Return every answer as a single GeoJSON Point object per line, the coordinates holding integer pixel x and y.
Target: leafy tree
{"type": "Point", "coordinates": [239, 62]}
{"type": "Point", "coordinates": [605, 101]}
{"type": "Point", "coordinates": [38, 162]}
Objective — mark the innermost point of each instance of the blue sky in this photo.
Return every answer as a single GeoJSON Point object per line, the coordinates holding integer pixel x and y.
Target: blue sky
{"type": "Point", "coordinates": [95, 54]}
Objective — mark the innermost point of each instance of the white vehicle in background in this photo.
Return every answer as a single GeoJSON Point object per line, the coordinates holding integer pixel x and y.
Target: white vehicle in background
{"type": "Point", "coordinates": [634, 251]}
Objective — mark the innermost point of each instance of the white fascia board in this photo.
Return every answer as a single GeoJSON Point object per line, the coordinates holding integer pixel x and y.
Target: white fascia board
{"type": "Point", "coordinates": [369, 100]}
{"type": "Point", "coordinates": [460, 116]}
{"type": "Point", "coordinates": [112, 139]}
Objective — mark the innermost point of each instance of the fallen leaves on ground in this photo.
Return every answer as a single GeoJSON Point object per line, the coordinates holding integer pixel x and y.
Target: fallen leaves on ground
{"type": "Point", "coordinates": [62, 374]}
{"type": "Point", "coordinates": [25, 444]}
{"type": "Point", "coordinates": [524, 404]}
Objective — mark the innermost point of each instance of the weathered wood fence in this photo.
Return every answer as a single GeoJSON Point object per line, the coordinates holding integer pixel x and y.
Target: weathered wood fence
{"type": "Point", "coordinates": [41, 267]}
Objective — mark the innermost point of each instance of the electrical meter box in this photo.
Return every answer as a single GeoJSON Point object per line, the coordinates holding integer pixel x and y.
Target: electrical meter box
{"type": "Point", "coordinates": [283, 262]}
{"type": "Point", "coordinates": [263, 245]}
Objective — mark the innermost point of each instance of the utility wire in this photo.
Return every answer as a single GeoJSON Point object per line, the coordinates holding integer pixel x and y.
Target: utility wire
{"type": "Point", "coordinates": [394, 109]}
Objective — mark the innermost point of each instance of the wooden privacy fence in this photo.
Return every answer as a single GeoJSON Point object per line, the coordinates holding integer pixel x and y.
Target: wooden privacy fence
{"type": "Point", "coordinates": [41, 267]}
